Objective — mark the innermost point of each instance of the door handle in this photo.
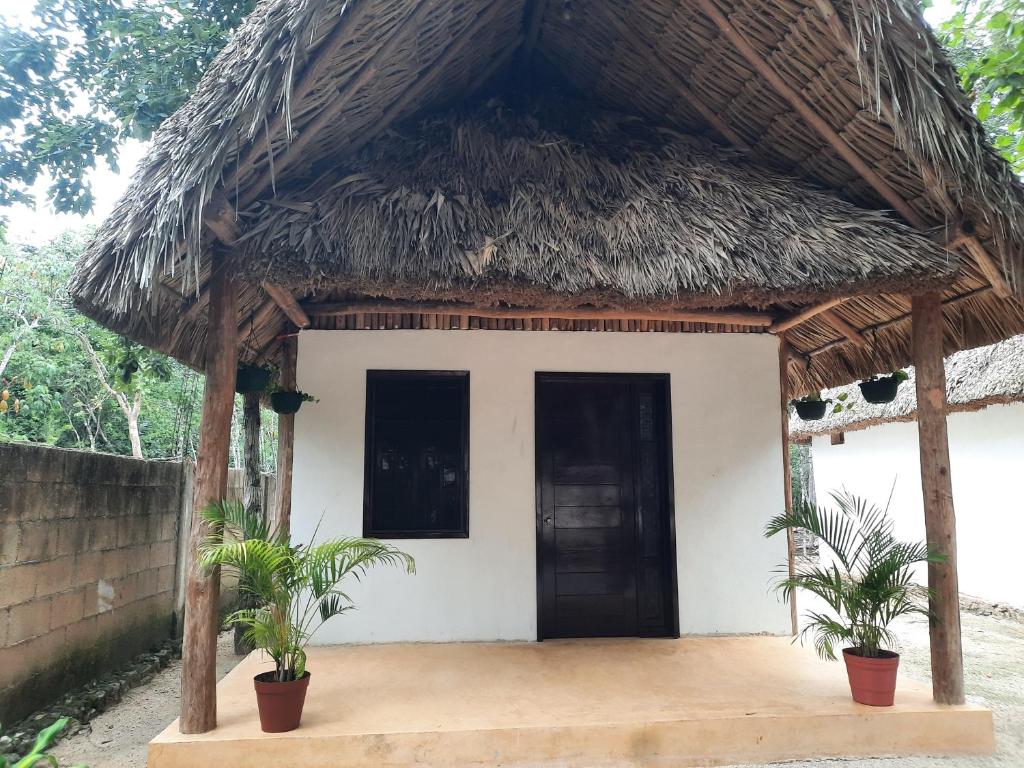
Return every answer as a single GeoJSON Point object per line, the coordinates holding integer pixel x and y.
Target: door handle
{"type": "Point", "coordinates": [547, 520]}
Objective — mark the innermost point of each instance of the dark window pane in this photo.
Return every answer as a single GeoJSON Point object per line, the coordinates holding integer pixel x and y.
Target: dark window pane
{"type": "Point", "coordinates": [416, 453]}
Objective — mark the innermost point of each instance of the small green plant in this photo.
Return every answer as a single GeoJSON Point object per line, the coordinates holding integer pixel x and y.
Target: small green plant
{"type": "Point", "coordinates": [813, 397]}
{"type": "Point", "coordinates": [841, 403]}
{"type": "Point", "coordinates": [868, 584]}
{"type": "Point", "coordinates": [296, 588]}
{"type": "Point", "coordinates": [38, 754]}
{"type": "Point", "coordinates": [899, 375]}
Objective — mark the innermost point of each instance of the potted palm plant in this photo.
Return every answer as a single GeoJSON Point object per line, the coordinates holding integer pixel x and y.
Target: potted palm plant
{"type": "Point", "coordinates": [296, 588]}
{"type": "Point", "coordinates": [868, 585]}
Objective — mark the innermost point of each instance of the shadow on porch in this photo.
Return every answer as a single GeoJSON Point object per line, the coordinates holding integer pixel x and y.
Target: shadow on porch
{"type": "Point", "coordinates": [693, 701]}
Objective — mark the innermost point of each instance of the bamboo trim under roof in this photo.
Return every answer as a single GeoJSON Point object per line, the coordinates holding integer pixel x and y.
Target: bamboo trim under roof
{"type": "Point", "coordinates": [328, 76]}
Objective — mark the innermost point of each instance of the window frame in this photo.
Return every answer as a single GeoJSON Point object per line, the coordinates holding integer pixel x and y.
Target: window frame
{"type": "Point", "coordinates": [369, 452]}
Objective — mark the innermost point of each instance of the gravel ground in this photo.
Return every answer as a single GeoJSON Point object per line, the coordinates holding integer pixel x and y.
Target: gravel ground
{"type": "Point", "coordinates": [993, 649]}
{"type": "Point", "coordinates": [118, 737]}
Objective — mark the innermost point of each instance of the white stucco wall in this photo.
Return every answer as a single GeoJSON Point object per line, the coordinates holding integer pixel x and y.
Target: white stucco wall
{"type": "Point", "coordinates": [986, 460]}
{"type": "Point", "coordinates": [727, 475]}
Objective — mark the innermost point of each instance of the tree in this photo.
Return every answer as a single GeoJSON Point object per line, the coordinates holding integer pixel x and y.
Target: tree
{"type": "Point", "coordinates": [132, 365]}
{"type": "Point", "coordinates": [91, 73]}
{"type": "Point", "coordinates": [71, 383]}
{"type": "Point", "coordinates": [985, 40]}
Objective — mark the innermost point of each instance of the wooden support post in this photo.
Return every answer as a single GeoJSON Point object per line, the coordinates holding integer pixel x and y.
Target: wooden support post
{"type": "Point", "coordinates": [286, 436]}
{"type": "Point", "coordinates": [939, 517]}
{"type": "Point", "coordinates": [202, 591]}
{"type": "Point", "coordinates": [253, 498]}
{"type": "Point", "coordinates": [787, 471]}
{"type": "Point", "coordinates": [251, 427]}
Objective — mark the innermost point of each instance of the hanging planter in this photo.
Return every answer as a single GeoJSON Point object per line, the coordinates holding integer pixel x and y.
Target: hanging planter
{"type": "Point", "coordinates": [287, 402]}
{"type": "Point", "coordinates": [810, 410]}
{"type": "Point", "coordinates": [250, 378]}
{"type": "Point", "coordinates": [812, 407]}
{"type": "Point", "coordinates": [882, 389]}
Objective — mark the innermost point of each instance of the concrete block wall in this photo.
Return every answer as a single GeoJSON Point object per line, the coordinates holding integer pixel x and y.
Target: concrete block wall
{"type": "Point", "coordinates": [87, 572]}
{"type": "Point", "coordinates": [90, 565]}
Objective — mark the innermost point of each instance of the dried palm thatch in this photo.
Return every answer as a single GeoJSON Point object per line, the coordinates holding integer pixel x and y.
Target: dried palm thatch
{"type": "Point", "coordinates": [562, 206]}
{"type": "Point", "coordinates": [306, 85]}
{"type": "Point", "coordinates": [975, 379]}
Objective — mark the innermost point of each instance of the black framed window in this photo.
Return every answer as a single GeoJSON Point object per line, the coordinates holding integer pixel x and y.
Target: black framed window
{"type": "Point", "coordinates": [417, 454]}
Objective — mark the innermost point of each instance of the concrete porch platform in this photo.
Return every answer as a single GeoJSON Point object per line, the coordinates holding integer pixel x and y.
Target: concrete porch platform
{"type": "Point", "coordinates": [688, 702]}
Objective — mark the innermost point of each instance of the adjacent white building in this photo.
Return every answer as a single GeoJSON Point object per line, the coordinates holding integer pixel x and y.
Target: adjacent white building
{"type": "Point", "coordinates": [873, 451]}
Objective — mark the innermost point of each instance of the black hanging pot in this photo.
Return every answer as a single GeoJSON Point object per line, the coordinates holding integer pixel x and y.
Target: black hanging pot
{"type": "Point", "coordinates": [286, 403]}
{"type": "Point", "coordinates": [880, 390]}
{"type": "Point", "coordinates": [810, 410]}
{"type": "Point", "coordinates": [249, 379]}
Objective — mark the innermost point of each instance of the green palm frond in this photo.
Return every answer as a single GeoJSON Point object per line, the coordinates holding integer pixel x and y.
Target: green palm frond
{"type": "Point", "coordinates": [870, 584]}
{"type": "Point", "coordinates": [296, 587]}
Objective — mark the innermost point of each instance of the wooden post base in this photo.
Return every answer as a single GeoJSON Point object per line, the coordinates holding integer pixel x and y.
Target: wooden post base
{"type": "Point", "coordinates": [202, 591]}
{"type": "Point", "coordinates": [936, 483]}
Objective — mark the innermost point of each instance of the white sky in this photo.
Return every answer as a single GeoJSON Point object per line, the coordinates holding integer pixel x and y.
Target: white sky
{"type": "Point", "coordinates": [39, 224]}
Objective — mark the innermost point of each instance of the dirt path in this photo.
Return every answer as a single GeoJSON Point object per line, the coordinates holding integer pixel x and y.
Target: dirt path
{"type": "Point", "coordinates": [118, 737]}
{"type": "Point", "coordinates": [993, 653]}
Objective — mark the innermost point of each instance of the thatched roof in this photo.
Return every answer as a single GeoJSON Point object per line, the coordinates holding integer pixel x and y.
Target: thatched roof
{"type": "Point", "coordinates": [856, 99]}
{"type": "Point", "coordinates": [975, 379]}
{"type": "Point", "coordinates": [562, 206]}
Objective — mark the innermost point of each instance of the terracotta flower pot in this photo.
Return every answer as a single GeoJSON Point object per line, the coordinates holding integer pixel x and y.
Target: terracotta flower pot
{"type": "Point", "coordinates": [280, 704]}
{"type": "Point", "coordinates": [872, 681]}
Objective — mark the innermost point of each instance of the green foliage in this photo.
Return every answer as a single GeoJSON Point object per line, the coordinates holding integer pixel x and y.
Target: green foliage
{"type": "Point", "coordinates": [870, 582]}
{"type": "Point", "coordinates": [986, 43]}
{"type": "Point", "coordinates": [38, 754]}
{"type": "Point", "coordinates": [54, 395]}
{"type": "Point", "coordinates": [91, 73]}
{"type": "Point", "coordinates": [296, 588]}
{"type": "Point", "coordinates": [900, 375]}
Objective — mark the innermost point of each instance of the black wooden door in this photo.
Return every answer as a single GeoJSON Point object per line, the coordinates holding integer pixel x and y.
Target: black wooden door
{"type": "Point", "coordinates": [605, 549]}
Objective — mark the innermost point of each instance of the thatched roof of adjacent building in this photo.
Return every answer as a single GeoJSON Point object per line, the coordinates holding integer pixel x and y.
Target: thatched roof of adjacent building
{"type": "Point", "coordinates": [771, 156]}
{"type": "Point", "coordinates": [975, 379]}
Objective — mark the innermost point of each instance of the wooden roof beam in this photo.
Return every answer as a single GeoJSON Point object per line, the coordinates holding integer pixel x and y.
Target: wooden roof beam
{"type": "Point", "coordinates": [219, 218]}
{"type": "Point", "coordinates": [310, 76]}
{"type": "Point", "coordinates": [845, 39]}
{"type": "Point", "coordinates": [367, 71]}
{"type": "Point", "coordinates": [986, 264]}
{"type": "Point", "coordinates": [810, 116]}
{"type": "Point", "coordinates": [952, 301]}
{"type": "Point", "coordinates": [497, 63]}
{"type": "Point", "coordinates": [426, 78]}
{"type": "Point", "coordinates": [668, 74]}
{"type": "Point", "coordinates": [724, 317]}
{"type": "Point", "coordinates": [784, 324]}
{"type": "Point", "coordinates": [288, 304]}
{"type": "Point", "coordinates": [975, 249]}
{"type": "Point", "coordinates": [532, 31]}
{"type": "Point", "coordinates": [849, 331]}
